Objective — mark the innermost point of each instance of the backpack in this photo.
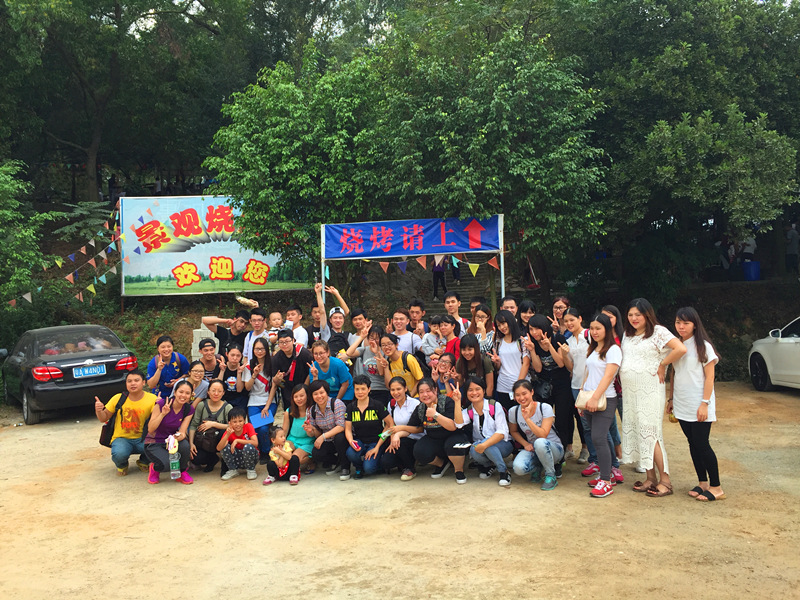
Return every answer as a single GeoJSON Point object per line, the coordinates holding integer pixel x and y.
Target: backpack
{"type": "Point", "coordinates": [423, 363]}
{"type": "Point", "coordinates": [426, 370]}
{"type": "Point", "coordinates": [471, 412]}
{"type": "Point", "coordinates": [337, 342]}
{"type": "Point", "coordinates": [516, 410]}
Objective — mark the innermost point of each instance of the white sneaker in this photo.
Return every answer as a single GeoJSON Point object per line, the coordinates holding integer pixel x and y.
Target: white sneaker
{"type": "Point", "coordinates": [251, 474]}
{"type": "Point", "coordinates": [230, 474]}
{"type": "Point", "coordinates": [584, 456]}
{"type": "Point", "coordinates": [505, 479]}
{"type": "Point", "coordinates": [270, 479]}
{"type": "Point", "coordinates": [640, 469]}
{"type": "Point", "coordinates": [569, 454]}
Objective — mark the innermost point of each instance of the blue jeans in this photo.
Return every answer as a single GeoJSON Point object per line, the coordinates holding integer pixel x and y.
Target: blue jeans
{"type": "Point", "coordinates": [613, 438]}
{"type": "Point", "coordinates": [493, 455]}
{"type": "Point", "coordinates": [369, 467]}
{"type": "Point", "coordinates": [122, 448]}
{"type": "Point", "coordinates": [545, 455]}
{"type": "Point", "coordinates": [263, 432]}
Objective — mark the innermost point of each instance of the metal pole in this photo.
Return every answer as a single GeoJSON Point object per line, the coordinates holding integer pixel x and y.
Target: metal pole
{"type": "Point", "coordinates": [502, 257]}
{"type": "Point", "coordinates": [322, 260]}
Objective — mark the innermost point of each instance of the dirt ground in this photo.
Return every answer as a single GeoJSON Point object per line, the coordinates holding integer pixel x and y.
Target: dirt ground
{"type": "Point", "coordinates": [73, 529]}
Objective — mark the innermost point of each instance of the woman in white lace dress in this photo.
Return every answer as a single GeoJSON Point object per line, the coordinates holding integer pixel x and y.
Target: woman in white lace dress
{"type": "Point", "coordinates": [647, 349]}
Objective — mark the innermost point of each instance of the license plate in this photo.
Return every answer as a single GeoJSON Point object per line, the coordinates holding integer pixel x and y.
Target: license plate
{"type": "Point", "coordinates": [90, 371]}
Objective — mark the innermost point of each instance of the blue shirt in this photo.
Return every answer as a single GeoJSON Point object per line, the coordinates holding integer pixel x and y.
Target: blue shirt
{"type": "Point", "coordinates": [336, 375]}
{"type": "Point", "coordinates": [175, 368]}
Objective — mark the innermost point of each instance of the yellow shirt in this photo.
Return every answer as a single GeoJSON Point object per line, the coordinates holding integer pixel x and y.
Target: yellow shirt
{"type": "Point", "coordinates": [132, 416]}
{"type": "Point", "coordinates": [412, 376]}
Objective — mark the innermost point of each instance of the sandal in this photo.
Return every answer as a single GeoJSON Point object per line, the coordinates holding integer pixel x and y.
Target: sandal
{"type": "Point", "coordinates": [708, 496]}
{"type": "Point", "coordinates": [643, 486]}
{"type": "Point", "coordinates": [654, 493]}
{"type": "Point", "coordinates": [696, 491]}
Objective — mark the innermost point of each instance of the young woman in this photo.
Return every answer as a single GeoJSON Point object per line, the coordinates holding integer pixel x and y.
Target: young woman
{"type": "Point", "coordinates": [560, 304]}
{"type": "Point", "coordinates": [393, 364]}
{"type": "Point", "coordinates": [211, 417]}
{"type": "Point", "coordinates": [647, 349]}
{"type": "Point", "coordinates": [325, 419]}
{"type": "Point", "coordinates": [492, 440]}
{"type": "Point", "coordinates": [366, 421]}
{"type": "Point", "coordinates": [294, 421]}
{"type": "Point", "coordinates": [482, 327]}
{"type": "Point", "coordinates": [612, 312]}
{"type": "Point", "coordinates": [196, 377]}
{"type": "Point", "coordinates": [602, 363]}
{"type": "Point", "coordinates": [170, 416]}
{"type": "Point", "coordinates": [166, 368]}
{"type": "Point", "coordinates": [472, 362]}
{"type": "Point", "coordinates": [230, 373]}
{"type": "Point", "coordinates": [400, 451]}
{"type": "Point", "coordinates": [439, 417]}
{"type": "Point", "coordinates": [331, 369]}
{"type": "Point", "coordinates": [367, 348]}
{"type": "Point", "coordinates": [261, 404]}
{"type": "Point", "coordinates": [531, 425]}
{"type": "Point", "coordinates": [574, 353]}
{"type": "Point", "coordinates": [525, 311]}
{"type": "Point", "coordinates": [548, 363]}
{"type": "Point", "coordinates": [694, 403]}
{"type": "Point", "coordinates": [509, 356]}
{"type": "Point", "coordinates": [450, 329]}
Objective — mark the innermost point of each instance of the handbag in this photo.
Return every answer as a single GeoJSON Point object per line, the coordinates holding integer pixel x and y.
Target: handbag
{"type": "Point", "coordinates": [207, 440]}
{"type": "Point", "coordinates": [584, 397]}
{"type": "Point", "coordinates": [107, 430]}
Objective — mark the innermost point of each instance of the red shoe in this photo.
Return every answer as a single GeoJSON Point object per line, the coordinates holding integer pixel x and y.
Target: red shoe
{"type": "Point", "coordinates": [185, 478]}
{"type": "Point", "coordinates": [617, 474]}
{"type": "Point", "coordinates": [153, 476]}
{"type": "Point", "coordinates": [601, 490]}
{"type": "Point", "coordinates": [592, 469]}
{"type": "Point", "coordinates": [593, 482]}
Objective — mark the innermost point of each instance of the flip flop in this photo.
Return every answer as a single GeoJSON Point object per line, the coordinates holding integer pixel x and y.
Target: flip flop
{"type": "Point", "coordinates": [708, 496]}
{"type": "Point", "coordinates": [654, 493]}
{"type": "Point", "coordinates": [696, 491]}
{"type": "Point", "coordinates": [643, 486]}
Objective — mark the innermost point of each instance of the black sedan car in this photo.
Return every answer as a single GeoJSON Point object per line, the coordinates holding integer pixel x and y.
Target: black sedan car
{"type": "Point", "coordinates": [62, 367]}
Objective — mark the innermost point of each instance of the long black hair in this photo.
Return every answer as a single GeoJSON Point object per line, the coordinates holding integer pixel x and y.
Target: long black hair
{"type": "Point", "coordinates": [689, 314]}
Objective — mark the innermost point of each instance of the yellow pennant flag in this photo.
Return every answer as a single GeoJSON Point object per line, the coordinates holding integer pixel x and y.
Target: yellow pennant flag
{"type": "Point", "coordinates": [473, 267]}
{"type": "Point", "coordinates": [59, 262]}
{"type": "Point", "coordinates": [90, 287]}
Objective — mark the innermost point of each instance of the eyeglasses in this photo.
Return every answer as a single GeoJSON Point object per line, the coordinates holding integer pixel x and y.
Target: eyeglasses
{"type": "Point", "coordinates": [445, 362]}
{"type": "Point", "coordinates": [259, 349]}
{"type": "Point", "coordinates": [196, 371]}
{"type": "Point", "coordinates": [285, 341]}
{"type": "Point", "coordinates": [559, 308]}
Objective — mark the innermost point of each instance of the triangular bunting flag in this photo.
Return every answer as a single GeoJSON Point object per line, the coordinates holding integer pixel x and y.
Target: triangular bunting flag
{"type": "Point", "coordinates": [44, 267]}
{"type": "Point", "coordinates": [133, 227]}
{"type": "Point", "coordinates": [461, 257]}
{"type": "Point", "coordinates": [127, 260]}
{"type": "Point", "coordinates": [141, 220]}
{"type": "Point", "coordinates": [79, 296]}
{"type": "Point", "coordinates": [493, 262]}
{"type": "Point", "coordinates": [70, 278]}
{"type": "Point", "coordinates": [72, 257]}
{"type": "Point", "coordinates": [102, 254]}
{"type": "Point", "coordinates": [455, 261]}
{"type": "Point", "coordinates": [437, 259]}
{"type": "Point", "coordinates": [405, 258]}
{"type": "Point", "coordinates": [39, 289]}
{"type": "Point", "coordinates": [402, 266]}
{"type": "Point", "coordinates": [423, 260]}
{"type": "Point", "coordinates": [149, 212]}
{"type": "Point", "coordinates": [327, 272]}
{"type": "Point", "coordinates": [59, 262]}
{"type": "Point", "coordinates": [473, 267]}
{"type": "Point", "coordinates": [113, 269]}
{"type": "Point", "coordinates": [155, 203]}
{"type": "Point", "coordinates": [90, 287]}
{"type": "Point", "coordinates": [83, 249]}
{"type": "Point", "coordinates": [91, 262]}
{"type": "Point", "coordinates": [91, 243]}
{"type": "Point", "coordinates": [122, 235]}
{"type": "Point", "coordinates": [384, 266]}
{"type": "Point", "coordinates": [102, 278]}
{"type": "Point", "coordinates": [12, 303]}
{"type": "Point", "coordinates": [27, 297]}
{"type": "Point", "coordinates": [105, 224]}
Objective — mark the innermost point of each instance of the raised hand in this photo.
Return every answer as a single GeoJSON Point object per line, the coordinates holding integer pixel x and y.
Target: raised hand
{"type": "Point", "coordinates": [166, 407]}
{"type": "Point", "coordinates": [563, 349]}
{"type": "Point", "coordinates": [495, 358]}
{"type": "Point", "coordinates": [313, 370]}
{"type": "Point", "coordinates": [278, 377]}
{"type": "Point", "coordinates": [97, 404]}
{"type": "Point", "coordinates": [160, 362]}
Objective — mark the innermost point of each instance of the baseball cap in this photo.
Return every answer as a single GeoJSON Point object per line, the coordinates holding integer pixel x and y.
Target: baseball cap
{"type": "Point", "coordinates": [207, 342]}
{"type": "Point", "coordinates": [334, 310]}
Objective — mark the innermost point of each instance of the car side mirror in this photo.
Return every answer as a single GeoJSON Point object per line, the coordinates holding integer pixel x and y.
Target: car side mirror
{"type": "Point", "coordinates": [775, 333]}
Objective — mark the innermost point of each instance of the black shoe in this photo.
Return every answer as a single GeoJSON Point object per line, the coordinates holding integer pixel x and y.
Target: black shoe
{"type": "Point", "coordinates": [559, 468]}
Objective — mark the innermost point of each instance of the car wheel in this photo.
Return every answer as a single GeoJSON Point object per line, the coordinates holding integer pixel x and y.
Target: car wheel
{"type": "Point", "coordinates": [759, 374]}
{"type": "Point", "coordinates": [30, 416]}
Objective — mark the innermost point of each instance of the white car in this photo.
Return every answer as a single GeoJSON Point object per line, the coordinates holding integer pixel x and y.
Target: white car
{"type": "Point", "coordinates": [775, 360]}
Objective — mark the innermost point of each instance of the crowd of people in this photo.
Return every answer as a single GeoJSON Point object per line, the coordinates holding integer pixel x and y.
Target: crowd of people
{"type": "Point", "coordinates": [502, 394]}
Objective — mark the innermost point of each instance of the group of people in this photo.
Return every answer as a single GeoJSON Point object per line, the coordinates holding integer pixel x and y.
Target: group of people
{"type": "Point", "coordinates": [497, 393]}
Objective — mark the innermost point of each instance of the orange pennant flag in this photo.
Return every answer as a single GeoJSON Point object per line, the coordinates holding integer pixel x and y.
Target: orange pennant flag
{"type": "Point", "coordinates": [70, 278]}
{"type": "Point", "coordinates": [133, 228]}
{"type": "Point", "coordinates": [83, 250]}
{"type": "Point", "coordinates": [423, 260]}
{"type": "Point", "coordinates": [128, 261]}
{"type": "Point", "coordinates": [91, 262]}
{"type": "Point", "coordinates": [384, 266]}
{"type": "Point", "coordinates": [12, 303]}
{"type": "Point", "coordinates": [149, 212]}
{"type": "Point", "coordinates": [493, 263]}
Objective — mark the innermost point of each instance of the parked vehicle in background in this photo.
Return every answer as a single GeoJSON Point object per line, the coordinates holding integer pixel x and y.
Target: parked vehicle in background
{"type": "Point", "coordinates": [64, 367]}
{"type": "Point", "coordinates": [775, 359]}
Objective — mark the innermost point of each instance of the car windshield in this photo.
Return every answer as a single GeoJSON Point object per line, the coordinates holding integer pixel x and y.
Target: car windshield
{"type": "Point", "coordinates": [77, 341]}
{"type": "Point", "coordinates": [792, 330]}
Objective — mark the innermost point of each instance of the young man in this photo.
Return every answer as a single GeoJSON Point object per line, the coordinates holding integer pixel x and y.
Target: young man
{"type": "Point", "coordinates": [334, 333]}
{"type": "Point", "coordinates": [258, 321]}
{"type": "Point", "coordinates": [408, 342]}
{"type": "Point", "coordinates": [474, 303]}
{"type": "Point", "coordinates": [510, 304]}
{"type": "Point", "coordinates": [416, 310]}
{"type": "Point", "coordinates": [229, 331]}
{"type": "Point", "coordinates": [452, 302]}
{"type": "Point", "coordinates": [289, 365]}
{"type": "Point", "coordinates": [128, 437]}
{"type": "Point", "coordinates": [295, 314]}
{"type": "Point", "coordinates": [313, 329]}
{"type": "Point", "coordinates": [208, 356]}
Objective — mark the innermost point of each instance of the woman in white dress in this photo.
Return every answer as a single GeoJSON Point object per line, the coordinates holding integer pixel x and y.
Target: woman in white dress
{"type": "Point", "coordinates": [647, 349]}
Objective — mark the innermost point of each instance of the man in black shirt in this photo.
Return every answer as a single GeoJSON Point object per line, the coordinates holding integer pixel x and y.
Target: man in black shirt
{"type": "Point", "coordinates": [229, 331]}
{"type": "Point", "coordinates": [289, 365]}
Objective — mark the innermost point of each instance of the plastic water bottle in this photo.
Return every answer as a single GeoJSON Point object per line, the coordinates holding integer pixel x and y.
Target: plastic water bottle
{"type": "Point", "coordinates": [174, 458]}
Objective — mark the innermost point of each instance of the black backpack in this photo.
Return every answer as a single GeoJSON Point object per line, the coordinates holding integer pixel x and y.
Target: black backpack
{"type": "Point", "coordinates": [421, 359]}
{"type": "Point", "coordinates": [338, 342]}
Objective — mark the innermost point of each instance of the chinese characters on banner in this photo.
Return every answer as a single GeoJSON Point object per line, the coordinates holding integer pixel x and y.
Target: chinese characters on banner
{"type": "Point", "coordinates": [186, 245]}
{"type": "Point", "coordinates": [417, 237]}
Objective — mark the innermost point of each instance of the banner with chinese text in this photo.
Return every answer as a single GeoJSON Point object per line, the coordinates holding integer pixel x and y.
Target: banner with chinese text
{"type": "Point", "coordinates": [414, 237]}
{"type": "Point", "coordinates": [186, 245]}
